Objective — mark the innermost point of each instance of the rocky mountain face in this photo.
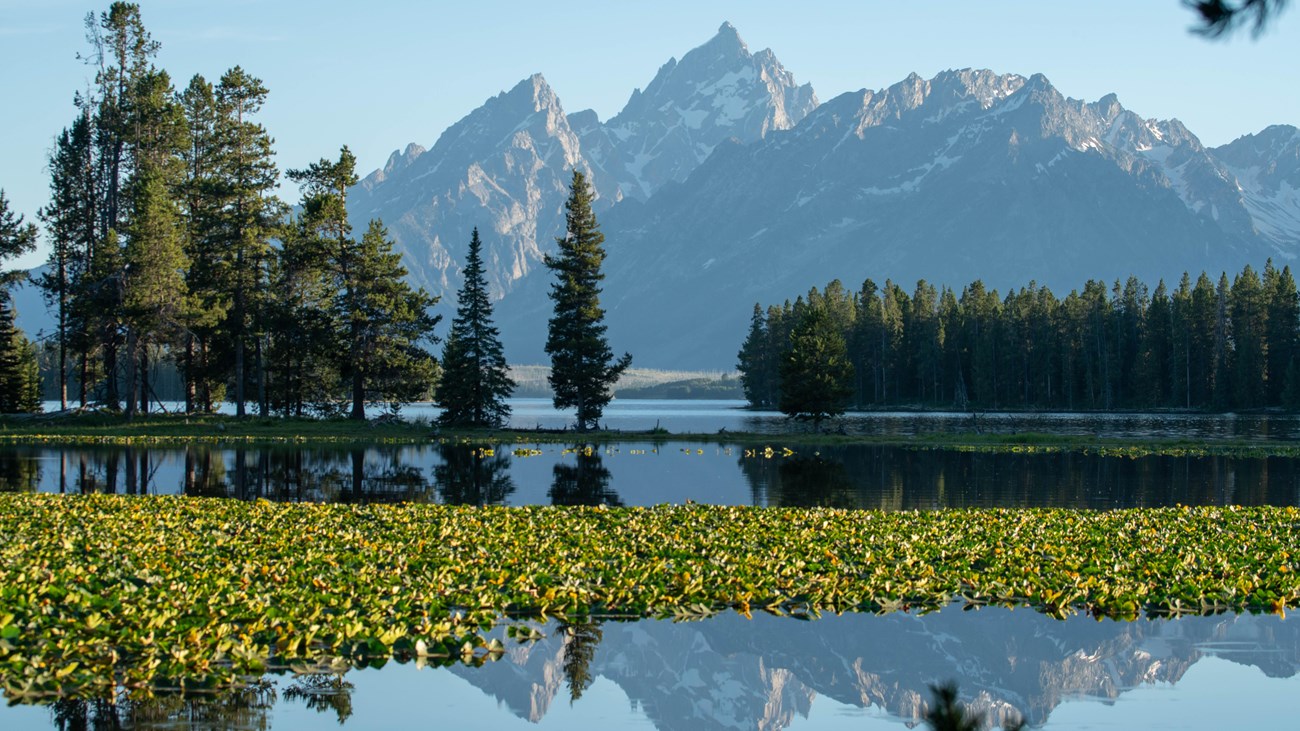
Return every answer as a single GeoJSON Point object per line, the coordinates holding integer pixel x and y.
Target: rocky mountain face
{"type": "Point", "coordinates": [1266, 169]}
{"type": "Point", "coordinates": [731, 673]}
{"type": "Point", "coordinates": [719, 91]}
{"type": "Point", "coordinates": [724, 183]}
{"type": "Point", "coordinates": [506, 166]}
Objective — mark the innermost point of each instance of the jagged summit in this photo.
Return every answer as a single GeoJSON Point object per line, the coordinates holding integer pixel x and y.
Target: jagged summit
{"type": "Point", "coordinates": [717, 91]}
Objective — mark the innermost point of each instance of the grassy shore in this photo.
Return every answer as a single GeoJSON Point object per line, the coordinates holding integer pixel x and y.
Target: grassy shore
{"type": "Point", "coordinates": [176, 430]}
{"type": "Point", "coordinates": [100, 590]}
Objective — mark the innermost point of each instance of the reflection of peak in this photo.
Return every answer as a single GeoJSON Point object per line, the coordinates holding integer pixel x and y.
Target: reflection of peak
{"type": "Point", "coordinates": [731, 673]}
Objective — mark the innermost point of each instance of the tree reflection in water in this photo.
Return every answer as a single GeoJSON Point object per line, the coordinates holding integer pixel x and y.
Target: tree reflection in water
{"type": "Point", "coordinates": [19, 471]}
{"type": "Point", "coordinates": [581, 638]}
{"type": "Point", "coordinates": [586, 482]}
{"type": "Point", "coordinates": [897, 478]}
{"type": "Point", "coordinates": [241, 709]}
{"type": "Point", "coordinates": [472, 475]}
{"type": "Point", "coordinates": [323, 693]}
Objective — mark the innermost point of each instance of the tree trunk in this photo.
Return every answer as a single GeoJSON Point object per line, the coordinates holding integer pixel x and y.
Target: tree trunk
{"type": "Point", "coordinates": [358, 395]}
{"type": "Point", "coordinates": [144, 379]}
{"type": "Point", "coordinates": [191, 387]}
{"type": "Point", "coordinates": [263, 408]}
{"type": "Point", "coordinates": [239, 377]}
{"type": "Point", "coordinates": [111, 396]}
{"type": "Point", "coordinates": [85, 376]}
{"type": "Point", "coordinates": [131, 344]}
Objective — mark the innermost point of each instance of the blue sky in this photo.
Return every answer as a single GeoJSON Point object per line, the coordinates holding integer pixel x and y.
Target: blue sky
{"type": "Point", "coordinates": [377, 74]}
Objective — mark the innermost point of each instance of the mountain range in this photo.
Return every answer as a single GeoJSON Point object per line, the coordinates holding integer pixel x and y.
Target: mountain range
{"type": "Point", "coordinates": [725, 182]}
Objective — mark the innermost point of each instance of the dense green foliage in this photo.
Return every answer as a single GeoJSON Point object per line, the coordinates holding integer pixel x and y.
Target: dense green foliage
{"type": "Point", "coordinates": [583, 368]}
{"type": "Point", "coordinates": [1224, 346]}
{"type": "Point", "coordinates": [19, 380]}
{"type": "Point", "coordinates": [100, 589]}
{"type": "Point", "coordinates": [475, 382]}
{"type": "Point", "coordinates": [816, 376]}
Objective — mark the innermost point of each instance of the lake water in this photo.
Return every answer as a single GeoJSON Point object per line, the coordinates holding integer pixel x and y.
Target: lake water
{"type": "Point", "coordinates": [650, 473]}
{"type": "Point", "coordinates": [710, 416]}
{"type": "Point", "coordinates": [837, 672]}
{"type": "Point", "coordinates": [726, 672]}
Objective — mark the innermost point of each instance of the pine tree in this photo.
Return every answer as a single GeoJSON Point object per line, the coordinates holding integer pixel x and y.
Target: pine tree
{"type": "Point", "coordinates": [816, 375]}
{"type": "Point", "coordinates": [244, 180]}
{"type": "Point", "coordinates": [752, 362]}
{"type": "Point", "coordinates": [153, 298]}
{"type": "Point", "coordinates": [16, 238]}
{"type": "Point", "coordinates": [19, 382]}
{"type": "Point", "coordinates": [202, 205]}
{"type": "Point", "coordinates": [475, 382]}
{"type": "Point", "coordinates": [1283, 328]}
{"type": "Point", "coordinates": [384, 322]}
{"type": "Point", "coordinates": [120, 100]}
{"type": "Point", "coordinates": [70, 220]}
{"type": "Point", "coordinates": [304, 367]}
{"type": "Point", "coordinates": [583, 369]}
{"type": "Point", "coordinates": [16, 354]}
{"type": "Point", "coordinates": [1248, 310]}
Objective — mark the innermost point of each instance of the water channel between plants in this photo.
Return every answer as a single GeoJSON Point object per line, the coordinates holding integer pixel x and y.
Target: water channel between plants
{"type": "Point", "coordinates": [725, 671]}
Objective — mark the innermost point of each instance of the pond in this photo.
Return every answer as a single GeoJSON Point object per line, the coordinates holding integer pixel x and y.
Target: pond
{"type": "Point", "coordinates": [727, 672]}
{"type": "Point", "coordinates": [650, 473]}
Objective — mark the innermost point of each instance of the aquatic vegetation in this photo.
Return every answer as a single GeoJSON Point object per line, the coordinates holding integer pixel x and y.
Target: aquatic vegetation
{"type": "Point", "coordinates": [97, 591]}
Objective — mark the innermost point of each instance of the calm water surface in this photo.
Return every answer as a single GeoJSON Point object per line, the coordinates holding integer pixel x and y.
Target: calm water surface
{"type": "Point", "coordinates": [726, 672]}
{"type": "Point", "coordinates": [649, 473]}
{"type": "Point", "coordinates": [710, 416]}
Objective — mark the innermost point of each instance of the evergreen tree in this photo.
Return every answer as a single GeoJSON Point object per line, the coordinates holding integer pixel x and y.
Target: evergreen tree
{"type": "Point", "coordinates": [202, 205]}
{"type": "Point", "coordinates": [753, 362]}
{"type": "Point", "coordinates": [153, 286]}
{"type": "Point", "coordinates": [385, 322]}
{"type": "Point", "coordinates": [816, 375]}
{"type": "Point", "coordinates": [304, 367]}
{"type": "Point", "coordinates": [244, 180]}
{"type": "Point", "coordinates": [123, 96]}
{"type": "Point", "coordinates": [475, 382]}
{"type": "Point", "coordinates": [1248, 309]}
{"type": "Point", "coordinates": [581, 640]}
{"type": "Point", "coordinates": [583, 369]}
{"type": "Point", "coordinates": [16, 238]}
{"type": "Point", "coordinates": [19, 382]}
{"type": "Point", "coordinates": [18, 378]}
{"type": "Point", "coordinates": [1283, 327]}
{"type": "Point", "coordinates": [70, 220]}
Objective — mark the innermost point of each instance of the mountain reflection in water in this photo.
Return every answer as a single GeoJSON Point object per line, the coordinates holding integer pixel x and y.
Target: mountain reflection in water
{"type": "Point", "coordinates": [727, 672]}
{"type": "Point", "coordinates": [853, 476]}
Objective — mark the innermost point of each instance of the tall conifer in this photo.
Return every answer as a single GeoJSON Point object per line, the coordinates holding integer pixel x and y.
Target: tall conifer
{"type": "Point", "coordinates": [583, 369]}
{"type": "Point", "coordinates": [475, 381]}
